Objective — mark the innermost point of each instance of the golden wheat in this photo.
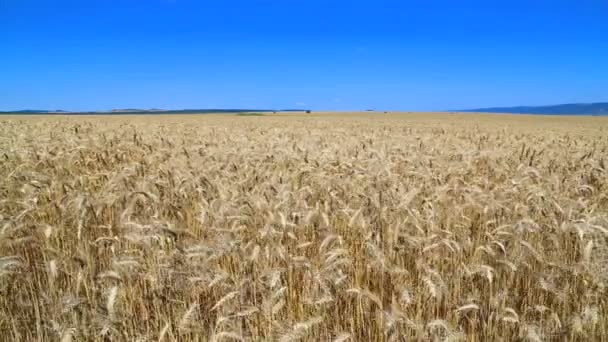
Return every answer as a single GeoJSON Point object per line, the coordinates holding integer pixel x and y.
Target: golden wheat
{"type": "Point", "coordinates": [358, 227]}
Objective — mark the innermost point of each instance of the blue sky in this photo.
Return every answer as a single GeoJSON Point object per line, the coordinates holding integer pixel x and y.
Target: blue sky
{"type": "Point", "coordinates": [337, 55]}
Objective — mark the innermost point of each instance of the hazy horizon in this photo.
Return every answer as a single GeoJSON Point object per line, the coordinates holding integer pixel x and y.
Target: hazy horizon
{"type": "Point", "coordinates": [144, 109]}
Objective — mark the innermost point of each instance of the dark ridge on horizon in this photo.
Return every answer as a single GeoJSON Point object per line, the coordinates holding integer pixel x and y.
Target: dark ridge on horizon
{"type": "Point", "coordinates": [598, 108]}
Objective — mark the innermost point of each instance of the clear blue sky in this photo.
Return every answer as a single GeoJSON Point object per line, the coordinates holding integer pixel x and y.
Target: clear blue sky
{"type": "Point", "coordinates": [318, 54]}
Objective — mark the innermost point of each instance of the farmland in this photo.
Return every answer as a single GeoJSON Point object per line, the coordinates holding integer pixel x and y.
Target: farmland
{"type": "Point", "coordinates": [304, 227]}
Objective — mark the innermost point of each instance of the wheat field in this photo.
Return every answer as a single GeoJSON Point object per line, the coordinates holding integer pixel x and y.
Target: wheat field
{"type": "Point", "coordinates": [295, 227]}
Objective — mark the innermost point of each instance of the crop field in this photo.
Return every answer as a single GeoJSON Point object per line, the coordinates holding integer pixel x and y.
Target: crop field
{"type": "Point", "coordinates": [304, 227]}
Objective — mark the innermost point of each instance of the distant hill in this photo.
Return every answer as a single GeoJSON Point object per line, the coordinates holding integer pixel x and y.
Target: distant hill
{"type": "Point", "coordinates": [28, 111]}
{"type": "Point", "coordinates": [600, 108]}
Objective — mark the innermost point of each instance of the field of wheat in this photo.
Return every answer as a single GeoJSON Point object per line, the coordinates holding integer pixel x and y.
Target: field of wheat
{"type": "Point", "coordinates": [360, 227]}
